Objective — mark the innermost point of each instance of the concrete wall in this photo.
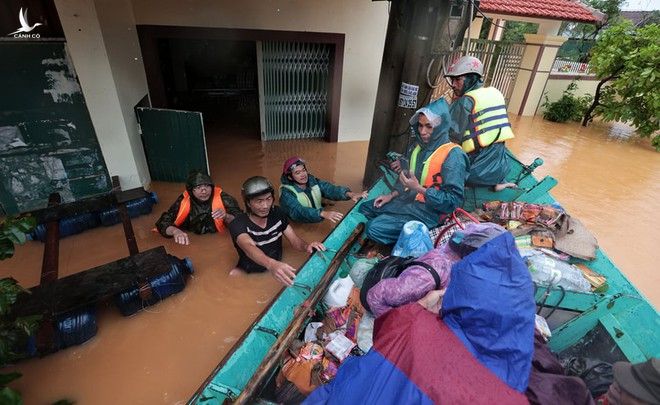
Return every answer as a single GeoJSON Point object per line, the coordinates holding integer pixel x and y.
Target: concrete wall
{"type": "Point", "coordinates": [536, 64]}
{"type": "Point", "coordinates": [555, 87]}
{"type": "Point", "coordinates": [364, 23]}
{"type": "Point", "coordinates": [104, 48]}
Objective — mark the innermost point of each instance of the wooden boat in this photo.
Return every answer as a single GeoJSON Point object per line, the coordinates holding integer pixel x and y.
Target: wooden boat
{"type": "Point", "coordinates": [618, 324]}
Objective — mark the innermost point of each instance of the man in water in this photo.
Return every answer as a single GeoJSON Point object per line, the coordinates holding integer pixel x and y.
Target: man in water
{"type": "Point", "coordinates": [257, 234]}
{"type": "Point", "coordinates": [202, 208]}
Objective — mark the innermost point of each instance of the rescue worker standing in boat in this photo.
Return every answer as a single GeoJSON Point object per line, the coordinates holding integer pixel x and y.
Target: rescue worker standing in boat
{"type": "Point", "coordinates": [481, 123]}
{"type": "Point", "coordinates": [202, 208]}
{"type": "Point", "coordinates": [441, 167]}
{"type": "Point", "coordinates": [301, 193]}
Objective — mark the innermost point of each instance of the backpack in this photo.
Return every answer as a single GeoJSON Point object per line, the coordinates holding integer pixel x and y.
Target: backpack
{"type": "Point", "coordinates": [391, 267]}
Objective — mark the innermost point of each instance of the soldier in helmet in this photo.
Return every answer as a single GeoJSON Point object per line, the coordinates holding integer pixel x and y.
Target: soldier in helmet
{"type": "Point", "coordinates": [202, 208]}
{"type": "Point", "coordinates": [481, 123]}
{"type": "Point", "coordinates": [257, 234]}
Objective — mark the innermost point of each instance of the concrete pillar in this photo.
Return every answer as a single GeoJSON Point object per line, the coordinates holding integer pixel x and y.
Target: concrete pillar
{"type": "Point", "coordinates": [497, 29]}
{"type": "Point", "coordinates": [475, 28]}
{"type": "Point", "coordinates": [534, 71]}
{"type": "Point", "coordinates": [104, 47]}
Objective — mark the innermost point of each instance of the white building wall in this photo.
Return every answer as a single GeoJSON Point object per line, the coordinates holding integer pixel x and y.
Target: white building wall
{"type": "Point", "coordinates": [364, 22]}
{"type": "Point", "coordinates": [104, 48]}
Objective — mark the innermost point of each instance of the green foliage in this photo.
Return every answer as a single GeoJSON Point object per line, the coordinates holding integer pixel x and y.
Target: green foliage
{"type": "Point", "coordinates": [12, 231]}
{"type": "Point", "coordinates": [14, 331]}
{"type": "Point", "coordinates": [626, 60]}
{"type": "Point", "coordinates": [515, 31]}
{"type": "Point", "coordinates": [10, 397]}
{"type": "Point", "coordinates": [568, 107]}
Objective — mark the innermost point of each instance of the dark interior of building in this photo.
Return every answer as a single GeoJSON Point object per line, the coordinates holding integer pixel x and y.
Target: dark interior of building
{"type": "Point", "coordinates": [217, 78]}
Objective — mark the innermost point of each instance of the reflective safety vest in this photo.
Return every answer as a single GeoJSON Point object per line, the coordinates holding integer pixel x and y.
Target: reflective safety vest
{"type": "Point", "coordinates": [302, 197]}
{"type": "Point", "coordinates": [489, 122]}
{"type": "Point", "coordinates": [216, 204]}
{"type": "Point", "coordinates": [431, 167]}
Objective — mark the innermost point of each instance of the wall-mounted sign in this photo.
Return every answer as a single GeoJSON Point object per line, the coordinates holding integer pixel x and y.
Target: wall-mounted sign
{"type": "Point", "coordinates": [408, 95]}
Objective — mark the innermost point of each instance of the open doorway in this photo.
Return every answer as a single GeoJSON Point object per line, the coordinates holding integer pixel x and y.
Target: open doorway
{"type": "Point", "coordinates": [215, 77]}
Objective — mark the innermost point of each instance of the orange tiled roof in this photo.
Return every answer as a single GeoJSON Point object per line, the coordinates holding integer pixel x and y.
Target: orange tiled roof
{"type": "Point", "coordinates": [567, 10]}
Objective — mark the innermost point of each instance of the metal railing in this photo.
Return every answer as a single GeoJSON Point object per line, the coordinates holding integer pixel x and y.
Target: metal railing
{"type": "Point", "coordinates": [501, 65]}
{"type": "Point", "coordinates": [568, 67]}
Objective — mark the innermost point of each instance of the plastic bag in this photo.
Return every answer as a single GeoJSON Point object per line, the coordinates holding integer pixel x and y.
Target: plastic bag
{"type": "Point", "coordinates": [365, 336]}
{"type": "Point", "coordinates": [360, 269]}
{"type": "Point", "coordinates": [414, 240]}
{"type": "Point", "coordinates": [545, 268]}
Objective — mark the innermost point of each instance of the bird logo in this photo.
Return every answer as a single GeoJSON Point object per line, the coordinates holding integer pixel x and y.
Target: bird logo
{"type": "Point", "coordinates": [25, 26]}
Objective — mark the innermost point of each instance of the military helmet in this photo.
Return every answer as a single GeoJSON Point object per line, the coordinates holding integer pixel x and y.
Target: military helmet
{"type": "Point", "coordinates": [465, 65]}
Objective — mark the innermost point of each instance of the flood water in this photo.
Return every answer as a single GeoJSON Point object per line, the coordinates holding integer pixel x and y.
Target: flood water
{"type": "Point", "coordinates": [162, 354]}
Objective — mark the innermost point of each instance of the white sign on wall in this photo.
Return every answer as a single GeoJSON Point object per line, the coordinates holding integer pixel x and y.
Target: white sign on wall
{"type": "Point", "coordinates": [408, 95]}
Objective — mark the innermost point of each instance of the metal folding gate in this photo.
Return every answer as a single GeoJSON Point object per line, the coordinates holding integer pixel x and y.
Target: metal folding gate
{"type": "Point", "coordinates": [295, 77]}
{"type": "Point", "coordinates": [501, 65]}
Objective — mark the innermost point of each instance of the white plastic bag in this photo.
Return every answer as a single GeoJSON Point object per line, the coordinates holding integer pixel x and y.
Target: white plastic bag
{"type": "Point", "coordinates": [365, 334]}
{"type": "Point", "coordinates": [360, 269]}
{"type": "Point", "coordinates": [544, 269]}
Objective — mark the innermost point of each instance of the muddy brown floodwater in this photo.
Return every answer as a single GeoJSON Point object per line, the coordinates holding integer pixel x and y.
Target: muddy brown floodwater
{"type": "Point", "coordinates": [162, 354]}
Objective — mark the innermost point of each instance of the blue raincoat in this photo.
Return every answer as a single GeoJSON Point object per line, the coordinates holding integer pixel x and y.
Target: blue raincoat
{"type": "Point", "coordinates": [385, 223]}
{"type": "Point", "coordinates": [299, 213]}
{"type": "Point", "coordinates": [490, 306]}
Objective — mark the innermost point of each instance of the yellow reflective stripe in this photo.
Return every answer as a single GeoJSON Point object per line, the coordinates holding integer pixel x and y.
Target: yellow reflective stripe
{"type": "Point", "coordinates": [485, 98]}
{"type": "Point", "coordinates": [413, 158]}
{"type": "Point", "coordinates": [316, 195]}
{"type": "Point", "coordinates": [302, 197]}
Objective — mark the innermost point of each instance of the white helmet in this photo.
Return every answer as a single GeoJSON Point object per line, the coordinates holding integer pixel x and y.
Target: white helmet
{"type": "Point", "coordinates": [465, 65]}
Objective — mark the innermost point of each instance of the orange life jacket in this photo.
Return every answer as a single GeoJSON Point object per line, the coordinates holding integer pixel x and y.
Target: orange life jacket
{"type": "Point", "coordinates": [216, 204]}
{"type": "Point", "coordinates": [432, 168]}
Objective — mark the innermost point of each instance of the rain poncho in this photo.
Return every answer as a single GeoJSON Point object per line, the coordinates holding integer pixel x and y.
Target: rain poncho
{"type": "Point", "coordinates": [415, 359]}
{"type": "Point", "coordinates": [297, 212]}
{"type": "Point", "coordinates": [490, 306]}
{"type": "Point", "coordinates": [386, 222]}
{"type": "Point", "coordinates": [199, 220]}
{"type": "Point", "coordinates": [490, 165]}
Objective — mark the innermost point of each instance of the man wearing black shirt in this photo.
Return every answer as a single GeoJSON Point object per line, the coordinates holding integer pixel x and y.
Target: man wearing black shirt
{"type": "Point", "coordinates": [257, 235]}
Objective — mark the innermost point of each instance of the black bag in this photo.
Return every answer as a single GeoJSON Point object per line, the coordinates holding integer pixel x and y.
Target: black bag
{"type": "Point", "coordinates": [391, 267]}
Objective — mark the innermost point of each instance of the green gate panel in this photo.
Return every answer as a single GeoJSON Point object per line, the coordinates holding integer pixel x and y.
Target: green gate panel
{"type": "Point", "coordinates": [296, 80]}
{"type": "Point", "coordinates": [174, 143]}
{"type": "Point", "coordinates": [47, 141]}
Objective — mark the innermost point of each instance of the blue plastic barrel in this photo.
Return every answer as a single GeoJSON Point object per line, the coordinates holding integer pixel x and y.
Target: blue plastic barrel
{"type": "Point", "coordinates": [68, 226]}
{"type": "Point", "coordinates": [75, 327]}
{"type": "Point", "coordinates": [162, 286]}
{"type": "Point", "coordinates": [135, 208]}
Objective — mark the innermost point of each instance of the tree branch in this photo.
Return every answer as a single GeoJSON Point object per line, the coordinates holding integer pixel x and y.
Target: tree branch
{"type": "Point", "coordinates": [588, 115]}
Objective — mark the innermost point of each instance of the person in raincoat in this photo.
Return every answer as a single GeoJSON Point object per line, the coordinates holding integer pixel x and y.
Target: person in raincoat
{"type": "Point", "coordinates": [430, 188]}
{"type": "Point", "coordinates": [301, 194]}
{"type": "Point", "coordinates": [481, 123]}
{"type": "Point", "coordinates": [202, 208]}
